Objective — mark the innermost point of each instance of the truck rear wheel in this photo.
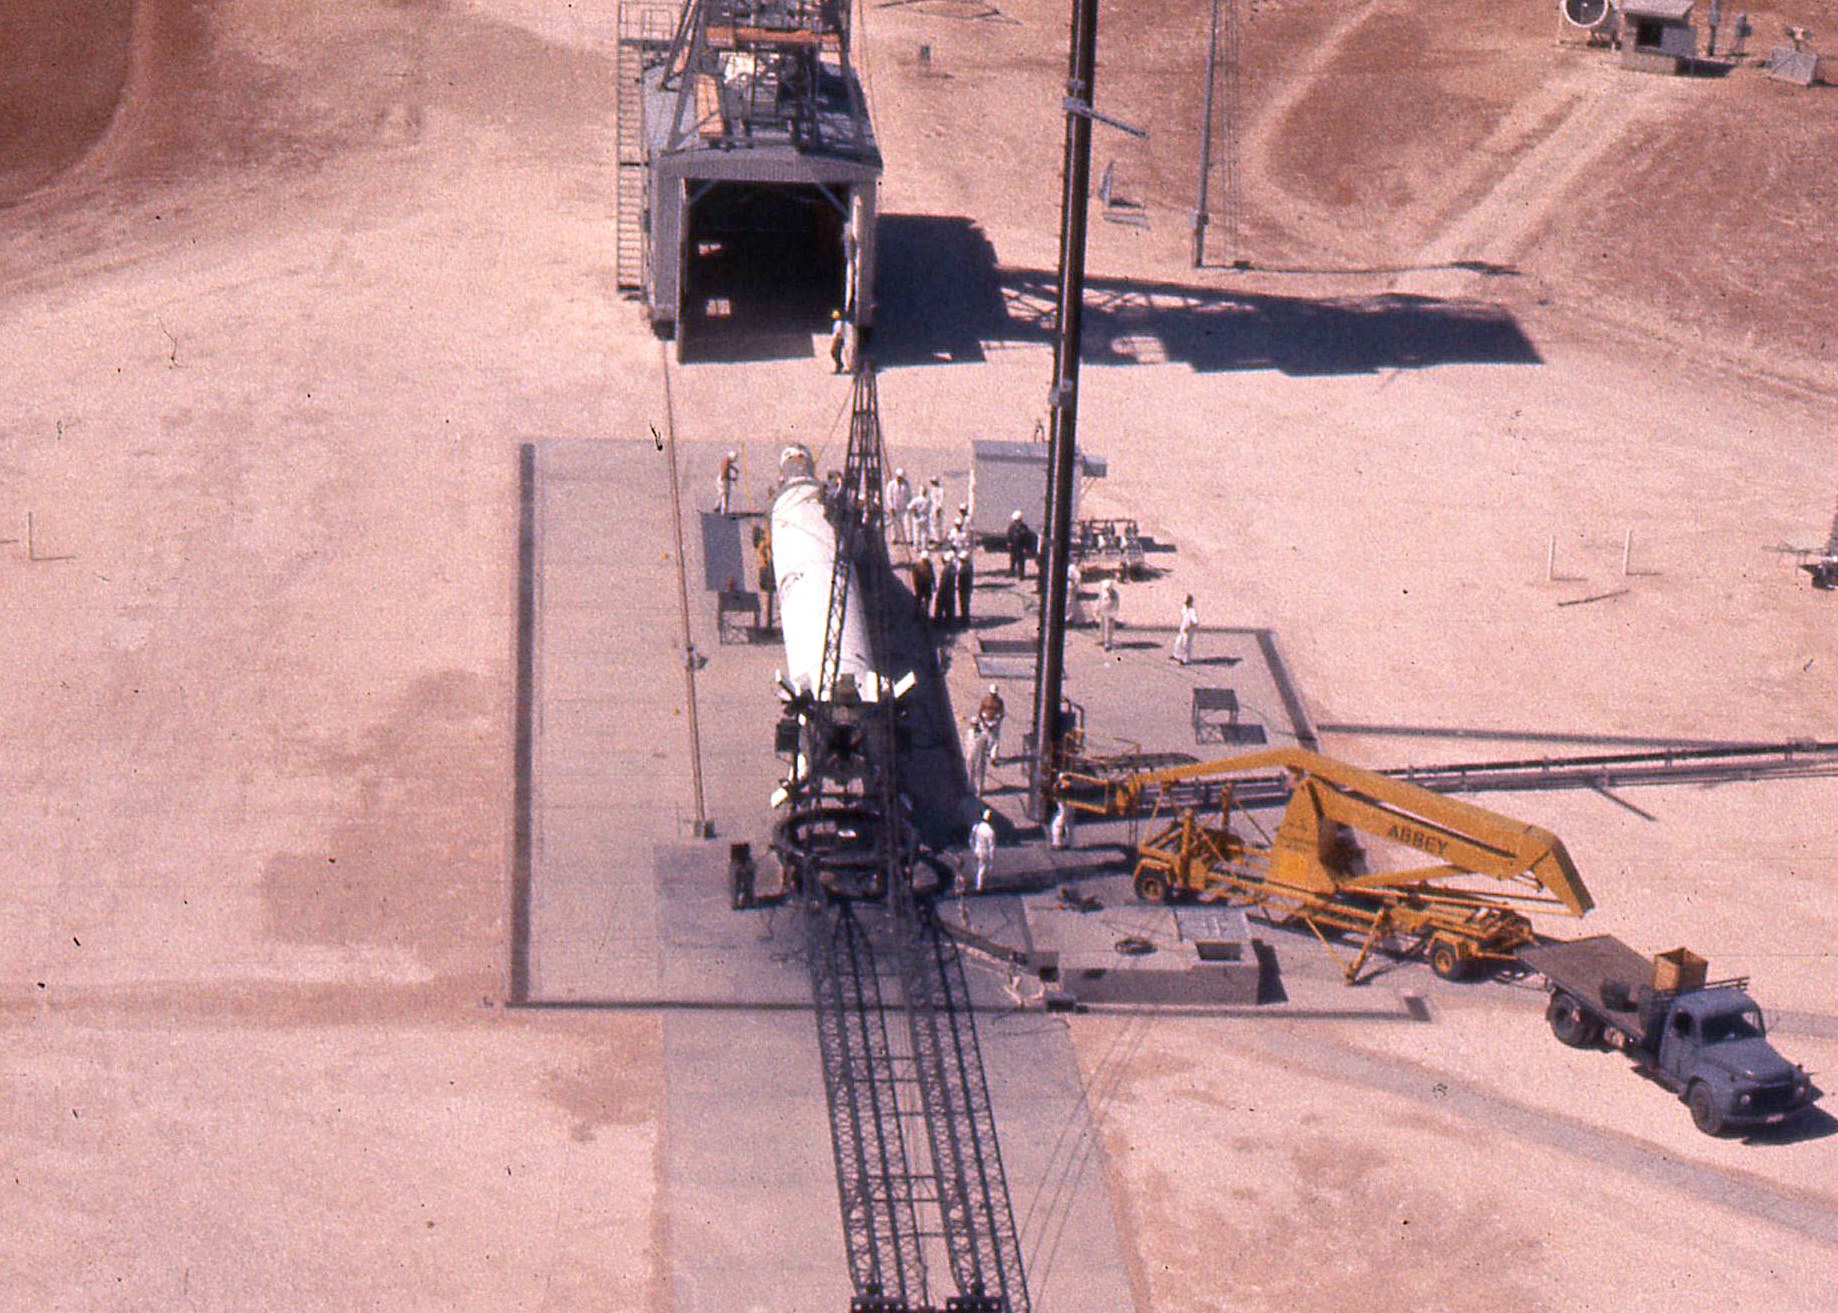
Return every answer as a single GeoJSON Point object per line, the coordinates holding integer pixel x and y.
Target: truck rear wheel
{"type": "Point", "coordinates": [1705, 1114]}
{"type": "Point", "coordinates": [1571, 1024]}
{"type": "Point", "coordinates": [1151, 885]}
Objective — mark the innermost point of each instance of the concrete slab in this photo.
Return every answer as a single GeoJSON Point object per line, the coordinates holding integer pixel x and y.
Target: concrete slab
{"type": "Point", "coordinates": [619, 916]}
{"type": "Point", "coordinates": [599, 616]}
{"type": "Point", "coordinates": [709, 953]}
{"type": "Point", "coordinates": [1051, 1151]}
{"type": "Point", "coordinates": [1116, 950]}
{"type": "Point", "coordinates": [1021, 865]}
{"type": "Point", "coordinates": [1138, 675]}
{"type": "Point", "coordinates": [754, 1223]}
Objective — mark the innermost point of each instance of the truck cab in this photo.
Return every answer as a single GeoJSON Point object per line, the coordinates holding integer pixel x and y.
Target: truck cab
{"type": "Point", "coordinates": [1712, 1047]}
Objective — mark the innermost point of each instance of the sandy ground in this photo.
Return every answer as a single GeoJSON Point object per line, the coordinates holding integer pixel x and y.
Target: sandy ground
{"type": "Point", "coordinates": [284, 285]}
{"type": "Point", "coordinates": [64, 73]}
{"type": "Point", "coordinates": [1267, 1169]}
{"type": "Point", "coordinates": [268, 346]}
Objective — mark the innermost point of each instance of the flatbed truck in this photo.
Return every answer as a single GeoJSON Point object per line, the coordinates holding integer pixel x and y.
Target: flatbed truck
{"type": "Point", "coordinates": [1704, 1040]}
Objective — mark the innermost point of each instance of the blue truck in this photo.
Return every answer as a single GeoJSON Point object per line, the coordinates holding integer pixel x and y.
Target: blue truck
{"type": "Point", "coordinates": [1704, 1040]}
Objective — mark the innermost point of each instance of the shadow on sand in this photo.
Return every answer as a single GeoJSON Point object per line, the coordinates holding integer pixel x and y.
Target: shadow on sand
{"type": "Point", "coordinates": [944, 299]}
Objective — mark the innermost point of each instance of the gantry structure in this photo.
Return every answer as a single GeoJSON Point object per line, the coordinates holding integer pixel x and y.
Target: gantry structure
{"type": "Point", "coordinates": [748, 116]}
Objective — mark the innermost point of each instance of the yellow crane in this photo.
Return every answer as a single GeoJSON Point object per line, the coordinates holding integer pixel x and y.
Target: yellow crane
{"type": "Point", "coordinates": [1461, 896]}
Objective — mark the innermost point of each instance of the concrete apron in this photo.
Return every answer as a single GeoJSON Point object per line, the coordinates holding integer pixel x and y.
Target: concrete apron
{"type": "Point", "coordinates": [626, 910]}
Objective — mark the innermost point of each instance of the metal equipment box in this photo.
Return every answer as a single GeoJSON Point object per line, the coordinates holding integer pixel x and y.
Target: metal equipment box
{"type": "Point", "coordinates": [1006, 477]}
{"type": "Point", "coordinates": [1681, 969]}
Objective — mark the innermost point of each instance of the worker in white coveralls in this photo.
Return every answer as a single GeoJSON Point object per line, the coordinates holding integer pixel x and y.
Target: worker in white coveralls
{"type": "Point", "coordinates": [1059, 829]}
{"type": "Point", "coordinates": [958, 540]}
{"type": "Point", "coordinates": [1110, 605]}
{"type": "Point", "coordinates": [983, 848]}
{"type": "Point", "coordinates": [898, 496]}
{"type": "Point", "coordinates": [918, 516]}
{"type": "Point", "coordinates": [978, 753]}
{"type": "Point", "coordinates": [1183, 636]}
{"type": "Point", "coordinates": [727, 474]}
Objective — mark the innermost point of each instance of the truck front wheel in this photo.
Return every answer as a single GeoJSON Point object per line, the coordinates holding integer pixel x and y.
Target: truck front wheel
{"type": "Point", "coordinates": [1705, 1113]}
{"type": "Point", "coordinates": [1571, 1024]}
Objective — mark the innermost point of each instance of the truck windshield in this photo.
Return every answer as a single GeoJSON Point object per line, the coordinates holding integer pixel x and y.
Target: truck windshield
{"type": "Point", "coordinates": [1724, 1026]}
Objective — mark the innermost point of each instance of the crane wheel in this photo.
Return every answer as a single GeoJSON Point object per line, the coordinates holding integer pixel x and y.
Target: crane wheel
{"type": "Point", "coordinates": [1571, 1024]}
{"type": "Point", "coordinates": [1152, 886]}
{"type": "Point", "coordinates": [1447, 960]}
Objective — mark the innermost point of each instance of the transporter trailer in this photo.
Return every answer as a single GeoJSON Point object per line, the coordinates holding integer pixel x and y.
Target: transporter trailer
{"type": "Point", "coordinates": [1704, 1040]}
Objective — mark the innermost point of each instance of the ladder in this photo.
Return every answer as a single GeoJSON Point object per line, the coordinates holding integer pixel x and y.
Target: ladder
{"type": "Point", "coordinates": [645, 30]}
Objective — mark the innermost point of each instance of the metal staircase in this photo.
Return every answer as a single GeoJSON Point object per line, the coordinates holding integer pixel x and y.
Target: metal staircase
{"type": "Point", "coordinates": [645, 31]}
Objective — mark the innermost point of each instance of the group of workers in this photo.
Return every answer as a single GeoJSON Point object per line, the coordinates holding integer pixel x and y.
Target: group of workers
{"type": "Point", "coordinates": [944, 559]}
{"type": "Point", "coordinates": [916, 516]}
{"type": "Point", "coordinates": [942, 584]}
{"type": "Point", "coordinates": [944, 575]}
{"type": "Point", "coordinates": [985, 740]}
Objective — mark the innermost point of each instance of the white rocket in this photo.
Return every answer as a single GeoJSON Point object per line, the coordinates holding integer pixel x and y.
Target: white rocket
{"type": "Point", "coordinates": [804, 561]}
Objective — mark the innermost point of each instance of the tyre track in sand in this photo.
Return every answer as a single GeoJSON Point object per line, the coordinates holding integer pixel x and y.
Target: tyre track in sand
{"type": "Point", "coordinates": [1596, 109]}
{"type": "Point", "coordinates": [1258, 144]}
{"type": "Point", "coordinates": [1740, 1192]}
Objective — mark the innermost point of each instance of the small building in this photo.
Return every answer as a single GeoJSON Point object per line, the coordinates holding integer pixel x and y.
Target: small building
{"type": "Point", "coordinates": [1657, 36]}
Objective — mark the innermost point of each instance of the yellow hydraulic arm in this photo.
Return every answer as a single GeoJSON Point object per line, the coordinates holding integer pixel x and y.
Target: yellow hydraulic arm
{"type": "Point", "coordinates": [1458, 837]}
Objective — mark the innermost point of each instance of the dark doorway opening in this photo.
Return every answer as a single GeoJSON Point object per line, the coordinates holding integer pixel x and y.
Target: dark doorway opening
{"type": "Point", "coordinates": [762, 270]}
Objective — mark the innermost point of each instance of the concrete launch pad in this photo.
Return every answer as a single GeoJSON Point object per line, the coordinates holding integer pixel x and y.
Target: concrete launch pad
{"type": "Point", "coordinates": [286, 287]}
{"type": "Point", "coordinates": [618, 921]}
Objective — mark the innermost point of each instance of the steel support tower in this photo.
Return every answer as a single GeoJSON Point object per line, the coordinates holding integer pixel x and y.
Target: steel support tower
{"type": "Point", "coordinates": [918, 1165]}
{"type": "Point", "coordinates": [1219, 136]}
{"type": "Point", "coordinates": [1062, 443]}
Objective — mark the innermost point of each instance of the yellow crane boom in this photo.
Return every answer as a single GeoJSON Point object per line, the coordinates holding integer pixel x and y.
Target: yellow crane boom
{"type": "Point", "coordinates": [1309, 871]}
